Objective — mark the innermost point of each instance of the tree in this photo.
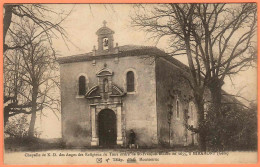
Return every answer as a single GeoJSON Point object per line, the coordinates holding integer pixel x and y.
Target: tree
{"type": "Point", "coordinates": [40, 14]}
{"type": "Point", "coordinates": [35, 69]}
{"type": "Point", "coordinates": [162, 21]}
{"type": "Point", "coordinates": [13, 84]}
{"type": "Point", "coordinates": [49, 23]}
{"type": "Point", "coordinates": [216, 38]}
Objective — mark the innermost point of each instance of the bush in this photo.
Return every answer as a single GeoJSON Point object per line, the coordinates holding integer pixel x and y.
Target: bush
{"type": "Point", "coordinates": [235, 129]}
{"type": "Point", "coordinates": [17, 127]}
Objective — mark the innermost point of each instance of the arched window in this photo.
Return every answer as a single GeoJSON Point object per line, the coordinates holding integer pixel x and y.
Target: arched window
{"type": "Point", "coordinates": [105, 43]}
{"type": "Point", "coordinates": [82, 85]}
{"type": "Point", "coordinates": [206, 109]}
{"type": "Point", "coordinates": [130, 80]}
{"type": "Point", "coordinates": [177, 109]}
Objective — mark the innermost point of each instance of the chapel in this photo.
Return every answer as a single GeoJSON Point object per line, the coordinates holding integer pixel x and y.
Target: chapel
{"type": "Point", "coordinates": [114, 89]}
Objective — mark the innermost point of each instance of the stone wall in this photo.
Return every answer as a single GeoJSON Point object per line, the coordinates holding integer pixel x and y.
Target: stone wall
{"type": "Point", "coordinates": [138, 108]}
{"type": "Point", "coordinates": [168, 79]}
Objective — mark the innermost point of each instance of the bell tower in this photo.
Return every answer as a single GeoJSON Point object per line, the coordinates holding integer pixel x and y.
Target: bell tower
{"type": "Point", "coordinates": [105, 38]}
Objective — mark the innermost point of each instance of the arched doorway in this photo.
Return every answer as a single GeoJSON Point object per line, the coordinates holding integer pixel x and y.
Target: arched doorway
{"type": "Point", "coordinates": [107, 128]}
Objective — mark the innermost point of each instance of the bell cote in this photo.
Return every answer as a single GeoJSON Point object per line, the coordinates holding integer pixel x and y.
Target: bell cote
{"type": "Point", "coordinates": [105, 38]}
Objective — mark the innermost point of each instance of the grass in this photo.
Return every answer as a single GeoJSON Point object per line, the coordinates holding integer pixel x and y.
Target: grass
{"type": "Point", "coordinates": [36, 144]}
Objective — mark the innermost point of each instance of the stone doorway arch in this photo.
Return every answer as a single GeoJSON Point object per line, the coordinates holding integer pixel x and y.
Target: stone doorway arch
{"type": "Point", "coordinates": [107, 132]}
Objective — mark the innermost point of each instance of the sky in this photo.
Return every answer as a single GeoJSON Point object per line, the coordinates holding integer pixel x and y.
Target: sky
{"type": "Point", "coordinates": [81, 26]}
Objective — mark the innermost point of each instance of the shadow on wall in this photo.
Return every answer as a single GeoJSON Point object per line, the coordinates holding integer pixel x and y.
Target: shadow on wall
{"type": "Point", "coordinates": [76, 134]}
{"type": "Point", "coordinates": [142, 139]}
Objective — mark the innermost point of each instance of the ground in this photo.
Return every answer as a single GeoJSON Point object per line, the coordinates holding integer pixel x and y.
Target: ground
{"type": "Point", "coordinates": [52, 151]}
{"type": "Point", "coordinates": [14, 145]}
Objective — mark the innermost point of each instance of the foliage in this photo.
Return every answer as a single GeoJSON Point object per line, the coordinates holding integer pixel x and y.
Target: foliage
{"type": "Point", "coordinates": [17, 127]}
{"type": "Point", "coordinates": [236, 130]}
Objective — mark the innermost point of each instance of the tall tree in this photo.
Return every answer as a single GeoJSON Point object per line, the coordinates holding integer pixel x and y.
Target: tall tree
{"type": "Point", "coordinates": [216, 38]}
{"type": "Point", "coordinates": [13, 84]}
{"type": "Point", "coordinates": [37, 72]}
{"type": "Point", "coordinates": [49, 23]}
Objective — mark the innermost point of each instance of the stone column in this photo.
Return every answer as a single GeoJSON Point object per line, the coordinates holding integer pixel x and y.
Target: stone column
{"type": "Point", "coordinates": [94, 139]}
{"type": "Point", "coordinates": [119, 140]}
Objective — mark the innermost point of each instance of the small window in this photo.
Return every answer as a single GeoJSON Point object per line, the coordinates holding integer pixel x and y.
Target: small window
{"type": "Point", "coordinates": [130, 81]}
{"type": "Point", "coordinates": [177, 109]}
{"type": "Point", "coordinates": [82, 85]}
{"type": "Point", "coordinates": [206, 108]}
{"type": "Point", "coordinates": [105, 43]}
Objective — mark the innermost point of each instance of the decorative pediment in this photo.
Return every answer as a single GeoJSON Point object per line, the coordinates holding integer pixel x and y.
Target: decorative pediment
{"type": "Point", "coordinates": [104, 31]}
{"type": "Point", "coordinates": [105, 91]}
{"type": "Point", "coordinates": [94, 92]}
{"type": "Point", "coordinates": [116, 91]}
{"type": "Point", "coordinates": [105, 72]}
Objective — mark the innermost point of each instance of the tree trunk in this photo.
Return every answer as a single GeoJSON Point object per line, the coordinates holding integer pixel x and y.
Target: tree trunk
{"type": "Point", "coordinates": [202, 131]}
{"type": "Point", "coordinates": [7, 22]}
{"type": "Point", "coordinates": [215, 88]}
{"type": "Point", "coordinates": [202, 141]}
{"type": "Point", "coordinates": [216, 100]}
{"type": "Point", "coordinates": [6, 115]}
{"type": "Point", "coordinates": [198, 94]}
{"type": "Point", "coordinates": [34, 108]}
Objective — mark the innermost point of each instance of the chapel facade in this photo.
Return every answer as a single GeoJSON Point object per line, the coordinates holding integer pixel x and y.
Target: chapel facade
{"type": "Point", "coordinates": [113, 89]}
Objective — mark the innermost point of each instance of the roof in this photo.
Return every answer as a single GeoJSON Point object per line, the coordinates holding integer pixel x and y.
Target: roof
{"type": "Point", "coordinates": [123, 51]}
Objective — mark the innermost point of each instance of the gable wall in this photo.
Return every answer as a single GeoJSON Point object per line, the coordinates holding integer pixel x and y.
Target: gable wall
{"type": "Point", "coordinates": [139, 109]}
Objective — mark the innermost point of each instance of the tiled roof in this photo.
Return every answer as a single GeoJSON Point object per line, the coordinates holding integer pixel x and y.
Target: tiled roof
{"type": "Point", "coordinates": [134, 47]}
{"type": "Point", "coordinates": [126, 50]}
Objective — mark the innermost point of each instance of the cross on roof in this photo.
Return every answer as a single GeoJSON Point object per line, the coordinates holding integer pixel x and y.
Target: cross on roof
{"type": "Point", "coordinates": [104, 22]}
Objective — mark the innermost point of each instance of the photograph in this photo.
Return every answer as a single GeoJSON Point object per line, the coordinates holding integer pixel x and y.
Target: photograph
{"type": "Point", "coordinates": [157, 83]}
